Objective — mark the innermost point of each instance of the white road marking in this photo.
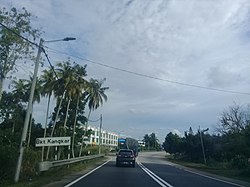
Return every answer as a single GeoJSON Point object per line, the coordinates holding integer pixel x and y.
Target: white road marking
{"type": "Point", "coordinates": [159, 180]}
{"type": "Point", "coordinates": [213, 178]}
{"type": "Point", "coordinates": [78, 179]}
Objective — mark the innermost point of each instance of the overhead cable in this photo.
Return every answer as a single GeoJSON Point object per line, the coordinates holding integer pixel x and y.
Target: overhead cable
{"type": "Point", "coordinates": [123, 70]}
{"type": "Point", "coordinates": [149, 76]}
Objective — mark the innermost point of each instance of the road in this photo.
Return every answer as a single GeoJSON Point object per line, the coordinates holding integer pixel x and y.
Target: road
{"type": "Point", "coordinates": [151, 171]}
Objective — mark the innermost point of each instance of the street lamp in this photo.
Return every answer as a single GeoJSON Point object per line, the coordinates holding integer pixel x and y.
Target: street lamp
{"type": "Point", "coordinates": [64, 39]}
{"type": "Point", "coordinates": [202, 144]}
{"type": "Point", "coordinates": [32, 90]}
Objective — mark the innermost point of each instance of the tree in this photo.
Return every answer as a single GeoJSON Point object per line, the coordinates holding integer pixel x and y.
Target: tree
{"type": "Point", "coordinates": [60, 88]}
{"type": "Point", "coordinates": [172, 143]}
{"type": "Point", "coordinates": [12, 113]}
{"type": "Point", "coordinates": [151, 141]}
{"type": "Point", "coordinates": [234, 120]}
{"type": "Point", "coordinates": [47, 80]}
{"type": "Point", "coordinates": [146, 139]}
{"type": "Point", "coordinates": [95, 94]}
{"type": "Point", "coordinates": [69, 85]}
{"type": "Point", "coordinates": [22, 88]}
{"type": "Point", "coordinates": [154, 141]}
{"type": "Point", "coordinates": [95, 97]}
{"type": "Point", "coordinates": [79, 86]}
{"type": "Point", "coordinates": [12, 46]}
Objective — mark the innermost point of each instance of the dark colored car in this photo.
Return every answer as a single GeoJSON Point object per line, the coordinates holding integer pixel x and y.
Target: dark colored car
{"type": "Point", "coordinates": [125, 157]}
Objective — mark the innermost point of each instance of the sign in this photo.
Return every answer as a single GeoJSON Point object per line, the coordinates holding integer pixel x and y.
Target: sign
{"type": "Point", "coordinates": [53, 141]}
{"type": "Point", "coordinates": [121, 140]}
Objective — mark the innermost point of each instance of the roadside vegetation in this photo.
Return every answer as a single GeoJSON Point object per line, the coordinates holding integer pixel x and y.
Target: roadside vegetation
{"type": "Point", "coordinates": [151, 143]}
{"type": "Point", "coordinates": [226, 153]}
{"type": "Point", "coordinates": [56, 174]}
{"type": "Point", "coordinates": [65, 84]}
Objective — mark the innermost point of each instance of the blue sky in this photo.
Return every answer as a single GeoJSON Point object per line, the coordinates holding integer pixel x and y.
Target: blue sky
{"type": "Point", "coordinates": [203, 43]}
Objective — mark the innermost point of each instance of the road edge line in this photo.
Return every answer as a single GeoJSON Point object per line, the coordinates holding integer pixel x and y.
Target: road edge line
{"type": "Point", "coordinates": [78, 179]}
{"type": "Point", "coordinates": [213, 178]}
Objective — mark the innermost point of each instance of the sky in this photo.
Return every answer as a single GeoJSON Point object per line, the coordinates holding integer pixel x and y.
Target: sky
{"type": "Point", "coordinates": [169, 51]}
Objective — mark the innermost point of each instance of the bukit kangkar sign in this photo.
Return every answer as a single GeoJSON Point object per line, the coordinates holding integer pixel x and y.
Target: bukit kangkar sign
{"type": "Point", "coordinates": [53, 141]}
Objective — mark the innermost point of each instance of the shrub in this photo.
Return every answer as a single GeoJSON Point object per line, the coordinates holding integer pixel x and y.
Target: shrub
{"type": "Point", "coordinates": [30, 161]}
{"type": "Point", "coordinates": [239, 161]}
{"type": "Point", "coordinates": [8, 160]}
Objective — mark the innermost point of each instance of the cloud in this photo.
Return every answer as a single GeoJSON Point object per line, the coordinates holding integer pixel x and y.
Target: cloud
{"type": "Point", "coordinates": [204, 43]}
{"type": "Point", "coordinates": [222, 77]}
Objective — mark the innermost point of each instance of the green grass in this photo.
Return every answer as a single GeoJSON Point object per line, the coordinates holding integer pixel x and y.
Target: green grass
{"type": "Point", "coordinates": [216, 168]}
{"type": "Point", "coordinates": [55, 174]}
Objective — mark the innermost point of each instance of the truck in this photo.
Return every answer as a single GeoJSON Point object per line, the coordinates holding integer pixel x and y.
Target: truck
{"type": "Point", "coordinates": [128, 143]}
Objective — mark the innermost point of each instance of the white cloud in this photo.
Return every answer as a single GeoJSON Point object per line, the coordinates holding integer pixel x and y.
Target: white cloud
{"type": "Point", "coordinates": [196, 42]}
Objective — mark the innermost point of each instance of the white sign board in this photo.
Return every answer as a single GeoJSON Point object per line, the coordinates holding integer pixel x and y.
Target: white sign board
{"type": "Point", "coordinates": [53, 141]}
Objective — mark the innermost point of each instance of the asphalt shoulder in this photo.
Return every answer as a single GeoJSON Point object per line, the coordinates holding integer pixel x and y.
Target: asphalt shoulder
{"type": "Point", "coordinates": [69, 178]}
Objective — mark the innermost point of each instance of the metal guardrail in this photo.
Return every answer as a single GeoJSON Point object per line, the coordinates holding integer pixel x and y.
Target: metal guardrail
{"type": "Point", "coordinates": [46, 165]}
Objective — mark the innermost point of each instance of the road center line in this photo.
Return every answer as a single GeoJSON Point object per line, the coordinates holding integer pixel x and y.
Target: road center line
{"type": "Point", "coordinates": [78, 179]}
{"type": "Point", "coordinates": [156, 178]}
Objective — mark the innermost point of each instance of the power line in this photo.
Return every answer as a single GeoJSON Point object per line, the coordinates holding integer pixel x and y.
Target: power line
{"type": "Point", "coordinates": [94, 120]}
{"type": "Point", "coordinates": [123, 70]}
{"type": "Point", "coordinates": [33, 43]}
{"type": "Point", "coordinates": [52, 67]}
{"type": "Point", "coordinates": [149, 76]}
{"type": "Point", "coordinates": [20, 36]}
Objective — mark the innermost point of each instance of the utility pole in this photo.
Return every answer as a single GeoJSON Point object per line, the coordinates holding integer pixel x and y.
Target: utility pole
{"type": "Point", "coordinates": [23, 143]}
{"type": "Point", "coordinates": [100, 135]}
{"type": "Point", "coordinates": [202, 144]}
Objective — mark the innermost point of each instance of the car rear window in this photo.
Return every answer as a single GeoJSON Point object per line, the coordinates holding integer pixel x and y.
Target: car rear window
{"type": "Point", "coordinates": [125, 152]}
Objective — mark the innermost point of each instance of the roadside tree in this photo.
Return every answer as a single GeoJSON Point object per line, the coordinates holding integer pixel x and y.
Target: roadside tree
{"type": "Point", "coordinates": [12, 46]}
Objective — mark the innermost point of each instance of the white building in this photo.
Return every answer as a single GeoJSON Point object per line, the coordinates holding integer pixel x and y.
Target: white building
{"type": "Point", "coordinates": [107, 138]}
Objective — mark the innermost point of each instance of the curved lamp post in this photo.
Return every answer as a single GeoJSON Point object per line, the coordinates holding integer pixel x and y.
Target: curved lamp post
{"type": "Point", "coordinates": [32, 90]}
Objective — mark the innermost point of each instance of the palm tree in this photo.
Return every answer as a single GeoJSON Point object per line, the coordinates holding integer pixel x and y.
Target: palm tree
{"type": "Point", "coordinates": [79, 85]}
{"type": "Point", "coordinates": [20, 94]}
{"type": "Point", "coordinates": [20, 91]}
{"type": "Point", "coordinates": [95, 97]}
{"type": "Point", "coordinates": [37, 98]}
{"type": "Point", "coordinates": [60, 88]}
{"type": "Point", "coordinates": [22, 88]}
{"type": "Point", "coordinates": [96, 94]}
{"type": "Point", "coordinates": [66, 87]}
{"type": "Point", "coordinates": [48, 80]}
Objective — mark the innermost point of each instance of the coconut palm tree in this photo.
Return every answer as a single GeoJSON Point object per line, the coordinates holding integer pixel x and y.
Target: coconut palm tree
{"type": "Point", "coordinates": [65, 86]}
{"type": "Point", "coordinates": [36, 98]}
{"type": "Point", "coordinates": [79, 85]}
{"type": "Point", "coordinates": [22, 88]}
{"type": "Point", "coordinates": [20, 94]}
{"type": "Point", "coordinates": [60, 88]}
{"type": "Point", "coordinates": [48, 80]}
{"type": "Point", "coordinates": [95, 97]}
{"type": "Point", "coordinates": [96, 94]}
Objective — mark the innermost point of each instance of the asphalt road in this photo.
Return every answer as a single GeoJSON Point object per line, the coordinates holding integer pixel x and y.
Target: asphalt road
{"type": "Point", "coordinates": [151, 171]}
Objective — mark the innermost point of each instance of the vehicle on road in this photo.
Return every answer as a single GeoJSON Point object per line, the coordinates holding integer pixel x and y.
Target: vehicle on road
{"type": "Point", "coordinates": [125, 157]}
{"type": "Point", "coordinates": [129, 143]}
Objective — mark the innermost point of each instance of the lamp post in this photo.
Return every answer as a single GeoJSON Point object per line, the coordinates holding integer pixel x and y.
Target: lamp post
{"type": "Point", "coordinates": [29, 109]}
{"type": "Point", "coordinates": [202, 144]}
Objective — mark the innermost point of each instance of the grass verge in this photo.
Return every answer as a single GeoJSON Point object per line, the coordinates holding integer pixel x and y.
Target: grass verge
{"type": "Point", "coordinates": [217, 169]}
{"type": "Point", "coordinates": [56, 174]}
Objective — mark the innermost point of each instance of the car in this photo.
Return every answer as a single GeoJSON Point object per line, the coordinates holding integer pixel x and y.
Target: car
{"type": "Point", "coordinates": [125, 157]}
